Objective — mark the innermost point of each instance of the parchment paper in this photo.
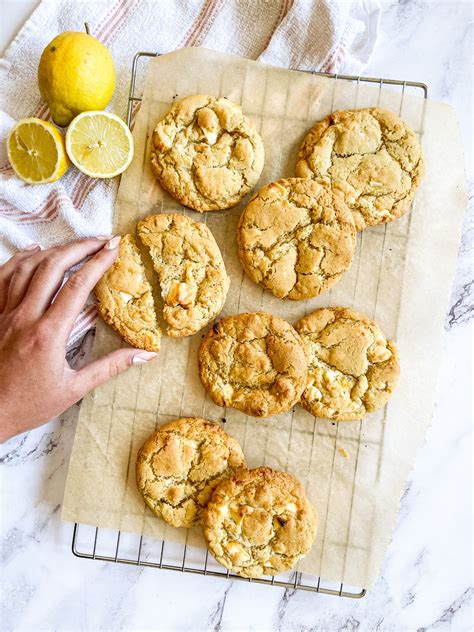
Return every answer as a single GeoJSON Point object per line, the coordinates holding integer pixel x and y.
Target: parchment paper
{"type": "Point", "coordinates": [401, 277]}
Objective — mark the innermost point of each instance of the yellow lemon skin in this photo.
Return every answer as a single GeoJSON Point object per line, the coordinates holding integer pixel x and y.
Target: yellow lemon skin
{"type": "Point", "coordinates": [76, 74]}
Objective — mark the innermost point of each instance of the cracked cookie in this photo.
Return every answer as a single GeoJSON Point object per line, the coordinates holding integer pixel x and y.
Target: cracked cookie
{"type": "Point", "coordinates": [206, 153]}
{"type": "Point", "coordinates": [296, 238]}
{"type": "Point", "coordinates": [372, 155]}
{"type": "Point", "coordinates": [179, 466]}
{"type": "Point", "coordinates": [353, 368]}
{"type": "Point", "coordinates": [190, 271]}
{"type": "Point", "coordinates": [253, 362]}
{"type": "Point", "coordinates": [259, 522]}
{"type": "Point", "coordinates": [125, 300]}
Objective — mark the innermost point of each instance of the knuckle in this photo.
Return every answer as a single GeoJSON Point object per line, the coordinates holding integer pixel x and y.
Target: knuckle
{"type": "Point", "coordinates": [78, 281]}
{"type": "Point", "coordinates": [16, 320]}
{"type": "Point", "coordinates": [43, 331]}
{"type": "Point", "coordinates": [74, 390]}
{"type": "Point", "coordinates": [22, 268]}
{"type": "Point", "coordinates": [50, 262]}
{"type": "Point", "coordinates": [114, 368]}
{"type": "Point", "coordinates": [12, 261]}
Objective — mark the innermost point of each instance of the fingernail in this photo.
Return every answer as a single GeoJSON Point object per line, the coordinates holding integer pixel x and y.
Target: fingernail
{"type": "Point", "coordinates": [32, 247]}
{"type": "Point", "coordinates": [113, 243]}
{"type": "Point", "coordinates": [143, 356]}
{"type": "Point", "coordinates": [103, 237]}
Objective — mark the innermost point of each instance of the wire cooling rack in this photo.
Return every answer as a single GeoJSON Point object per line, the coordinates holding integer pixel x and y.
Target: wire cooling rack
{"type": "Point", "coordinates": [125, 548]}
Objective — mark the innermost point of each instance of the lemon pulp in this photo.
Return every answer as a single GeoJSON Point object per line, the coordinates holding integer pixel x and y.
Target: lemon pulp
{"type": "Point", "coordinates": [99, 144]}
{"type": "Point", "coordinates": [36, 151]}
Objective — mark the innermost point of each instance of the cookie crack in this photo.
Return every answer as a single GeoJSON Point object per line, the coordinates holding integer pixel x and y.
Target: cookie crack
{"type": "Point", "coordinates": [387, 144]}
{"type": "Point", "coordinates": [191, 269]}
{"type": "Point", "coordinates": [214, 145]}
{"type": "Point", "coordinates": [360, 394]}
{"type": "Point", "coordinates": [196, 487]}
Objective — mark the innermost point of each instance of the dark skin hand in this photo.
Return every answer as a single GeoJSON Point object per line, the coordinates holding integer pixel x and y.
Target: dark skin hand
{"type": "Point", "coordinates": [36, 382]}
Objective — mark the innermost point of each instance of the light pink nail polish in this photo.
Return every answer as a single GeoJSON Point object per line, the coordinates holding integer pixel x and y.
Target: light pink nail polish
{"type": "Point", "coordinates": [113, 243]}
{"type": "Point", "coordinates": [103, 237]}
{"type": "Point", "coordinates": [33, 247]}
{"type": "Point", "coordinates": [143, 356]}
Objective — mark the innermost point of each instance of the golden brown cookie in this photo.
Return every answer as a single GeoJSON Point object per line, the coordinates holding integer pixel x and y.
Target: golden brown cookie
{"type": "Point", "coordinates": [179, 466]}
{"type": "Point", "coordinates": [125, 300]}
{"type": "Point", "coordinates": [353, 368]}
{"type": "Point", "coordinates": [372, 155]}
{"type": "Point", "coordinates": [259, 522]}
{"type": "Point", "coordinates": [206, 153]}
{"type": "Point", "coordinates": [296, 238]}
{"type": "Point", "coordinates": [253, 362]}
{"type": "Point", "coordinates": [190, 269]}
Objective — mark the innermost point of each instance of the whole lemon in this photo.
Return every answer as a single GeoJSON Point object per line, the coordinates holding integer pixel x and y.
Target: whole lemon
{"type": "Point", "coordinates": [76, 73]}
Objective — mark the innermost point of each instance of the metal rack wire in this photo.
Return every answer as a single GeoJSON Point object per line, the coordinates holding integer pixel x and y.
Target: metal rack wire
{"type": "Point", "coordinates": [125, 548]}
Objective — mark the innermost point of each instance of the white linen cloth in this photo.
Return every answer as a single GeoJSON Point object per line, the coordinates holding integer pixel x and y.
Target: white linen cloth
{"type": "Point", "coordinates": [320, 35]}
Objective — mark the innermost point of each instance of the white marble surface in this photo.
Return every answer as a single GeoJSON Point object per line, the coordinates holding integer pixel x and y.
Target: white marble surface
{"type": "Point", "coordinates": [426, 576]}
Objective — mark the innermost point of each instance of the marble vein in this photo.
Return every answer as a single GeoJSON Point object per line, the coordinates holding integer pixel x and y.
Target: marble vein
{"type": "Point", "coordinates": [214, 621]}
{"type": "Point", "coordinates": [448, 614]}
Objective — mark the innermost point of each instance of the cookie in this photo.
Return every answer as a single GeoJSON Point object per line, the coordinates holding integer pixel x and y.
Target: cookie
{"type": "Point", "coordinates": [296, 238]}
{"type": "Point", "coordinates": [179, 466]}
{"type": "Point", "coordinates": [206, 153]}
{"type": "Point", "coordinates": [372, 155]}
{"type": "Point", "coordinates": [353, 368]}
{"type": "Point", "coordinates": [125, 300]}
{"type": "Point", "coordinates": [259, 522]}
{"type": "Point", "coordinates": [253, 362]}
{"type": "Point", "coordinates": [190, 270]}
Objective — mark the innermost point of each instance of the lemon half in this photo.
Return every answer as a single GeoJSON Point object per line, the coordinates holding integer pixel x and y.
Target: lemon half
{"type": "Point", "coordinates": [36, 151]}
{"type": "Point", "coordinates": [99, 144]}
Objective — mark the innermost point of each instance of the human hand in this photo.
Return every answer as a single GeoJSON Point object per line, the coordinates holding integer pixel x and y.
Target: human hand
{"type": "Point", "coordinates": [36, 382]}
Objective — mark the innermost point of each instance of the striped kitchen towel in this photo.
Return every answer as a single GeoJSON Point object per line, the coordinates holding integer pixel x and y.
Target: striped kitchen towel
{"type": "Point", "coordinates": [321, 35]}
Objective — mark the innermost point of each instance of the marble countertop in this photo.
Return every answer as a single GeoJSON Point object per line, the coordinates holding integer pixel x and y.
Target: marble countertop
{"type": "Point", "coordinates": [425, 583]}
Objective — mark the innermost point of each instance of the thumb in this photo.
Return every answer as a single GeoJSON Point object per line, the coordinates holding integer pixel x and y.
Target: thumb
{"type": "Point", "coordinates": [109, 366]}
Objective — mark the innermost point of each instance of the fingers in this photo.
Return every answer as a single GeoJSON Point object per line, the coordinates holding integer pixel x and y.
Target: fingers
{"type": "Point", "coordinates": [73, 295]}
{"type": "Point", "coordinates": [49, 272]}
{"type": "Point", "coordinates": [21, 277]}
{"type": "Point", "coordinates": [47, 269]}
{"type": "Point", "coordinates": [109, 366]}
{"type": "Point", "coordinates": [8, 268]}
